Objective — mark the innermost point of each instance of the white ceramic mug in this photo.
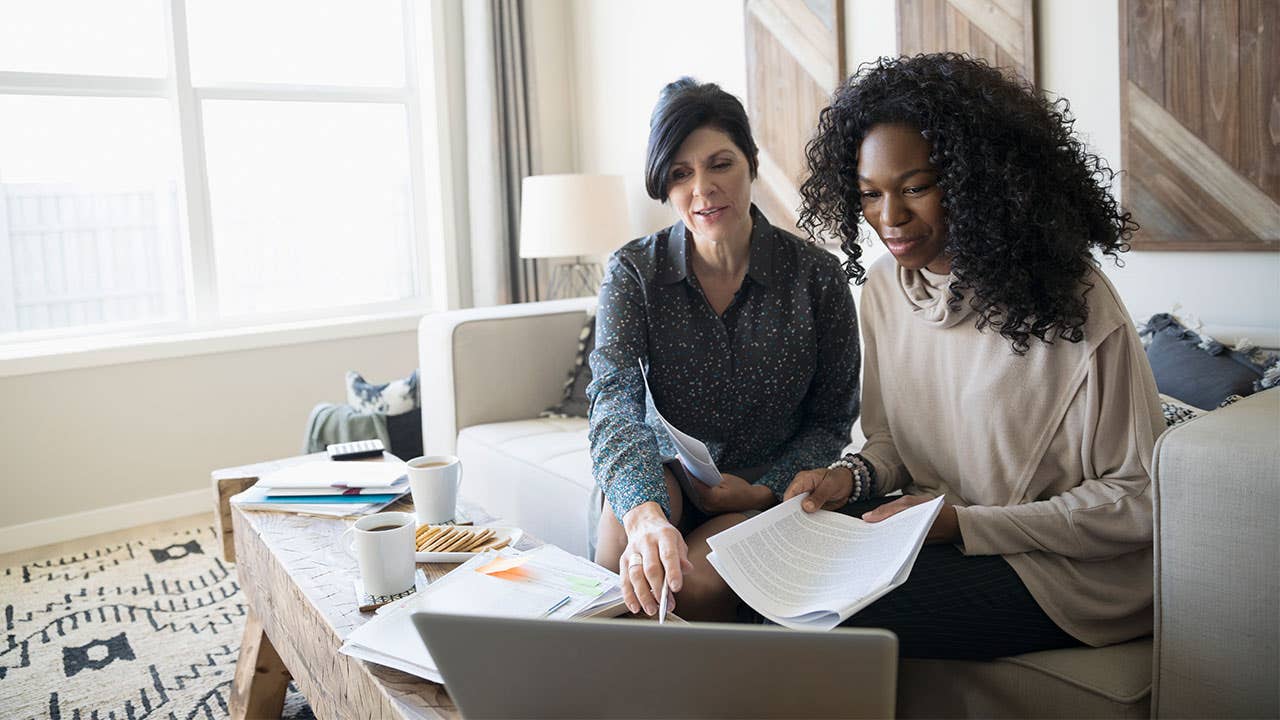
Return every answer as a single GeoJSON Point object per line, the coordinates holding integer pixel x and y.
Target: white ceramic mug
{"type": "Point", "coordinates": [384, 548]}
{"type": "Point", "coordinates": [434, 481]}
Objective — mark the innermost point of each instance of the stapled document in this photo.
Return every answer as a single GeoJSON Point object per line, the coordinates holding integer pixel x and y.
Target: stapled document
{"type": "Point", "coordinates": [693, 453]}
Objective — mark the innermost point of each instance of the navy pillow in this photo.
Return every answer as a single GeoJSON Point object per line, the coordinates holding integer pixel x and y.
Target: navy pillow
{"type": "Point", "coordinates": [1199, 371]}
{"type": "Point", "coordinates": [405, 432]}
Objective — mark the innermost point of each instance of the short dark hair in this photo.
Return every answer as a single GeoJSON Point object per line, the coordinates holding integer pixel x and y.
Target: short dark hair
{"type": "Point", "coordinates": [684, 106]}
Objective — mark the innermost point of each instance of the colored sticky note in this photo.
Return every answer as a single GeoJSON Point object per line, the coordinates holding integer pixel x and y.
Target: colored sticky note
{"type": "Point", "coordinates": [582, 584]}
{"type": "Point", "coordinates": [502, 564]}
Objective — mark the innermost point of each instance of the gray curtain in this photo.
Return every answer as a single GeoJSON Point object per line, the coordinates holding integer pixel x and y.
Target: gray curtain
{"type": "Point", "coordinates": [501, 150]}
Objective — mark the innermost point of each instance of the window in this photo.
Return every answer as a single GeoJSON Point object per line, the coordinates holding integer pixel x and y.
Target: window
{"type": "Point", "coordinates": [169, 165]}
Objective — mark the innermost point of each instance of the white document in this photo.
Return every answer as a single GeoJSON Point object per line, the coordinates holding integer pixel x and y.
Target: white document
{"type": "Point", "coordinates": [391, 639]}
{"type": "Point", "coordinates": [693, 452]}
{"type": "Point", "coordinates": [550, 583]}
{"type": "Point", "coordinates": [386, 475]}
{"type": "Point", "coordinates": [814, 570]}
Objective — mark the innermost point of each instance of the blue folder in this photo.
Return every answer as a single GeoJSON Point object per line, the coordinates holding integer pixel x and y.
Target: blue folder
{"type": "Point", "coordinates": [331, 499]}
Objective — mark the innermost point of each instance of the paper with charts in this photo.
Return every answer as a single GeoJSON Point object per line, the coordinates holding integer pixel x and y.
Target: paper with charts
{"type": "Point", "coordinates": [543, 582]}
{"type": "Point", "coordinates": [693, 453]}
{"type": "Point", "coordinates": [812, 571]}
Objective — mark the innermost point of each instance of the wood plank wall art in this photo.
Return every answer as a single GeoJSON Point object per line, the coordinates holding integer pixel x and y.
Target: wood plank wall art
{"type": "Point", "coordinates": [795, 59]}
{"type": "Point", "coordinates": [1200, 123]}
{"type": "Point", "coordinates": [1002, 32]}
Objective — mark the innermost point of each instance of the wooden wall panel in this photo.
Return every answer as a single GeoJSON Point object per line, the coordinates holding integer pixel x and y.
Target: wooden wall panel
{"type": "Point", "coordinates": [1200, 120]}
{"type": "Point", "coordinates": [1260, 93]}
{"type": "Point", "coordinates": [1182, 61]}
{"type": "Point", "coordinates": [1002, 32]}
{"type": "Point", "coordinates": [795, 59]}
{"type": "Point", "coordinates": [1146, 47]}
{"type": "Point", "coordinates": [1220, 98]}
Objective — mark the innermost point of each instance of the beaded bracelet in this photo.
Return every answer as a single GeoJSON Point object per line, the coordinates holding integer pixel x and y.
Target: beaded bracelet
{"type": "Point", "coordinates": [863, 476]}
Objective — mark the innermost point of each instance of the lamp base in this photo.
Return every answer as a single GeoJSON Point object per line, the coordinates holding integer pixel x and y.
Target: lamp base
{"type": "Point", "coordinates": [575, 279]}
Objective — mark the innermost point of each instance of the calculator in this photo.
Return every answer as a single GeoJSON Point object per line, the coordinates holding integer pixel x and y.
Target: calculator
{"type": "Point", "coordinates": [357, 450]}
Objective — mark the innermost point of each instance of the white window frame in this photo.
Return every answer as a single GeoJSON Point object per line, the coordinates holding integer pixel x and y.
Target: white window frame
{"type": "Point", "coordinates": [432, 217]}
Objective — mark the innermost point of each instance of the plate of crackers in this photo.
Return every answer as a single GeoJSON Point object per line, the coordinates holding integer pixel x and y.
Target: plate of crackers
{"type": "Point", "coordinates": [459, 543]}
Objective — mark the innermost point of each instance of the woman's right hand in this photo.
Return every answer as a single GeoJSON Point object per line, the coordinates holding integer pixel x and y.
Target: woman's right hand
{"type": "Point", "coordinates": [829, 488]}
{"type": "Point", "coordinates": [655, 550]}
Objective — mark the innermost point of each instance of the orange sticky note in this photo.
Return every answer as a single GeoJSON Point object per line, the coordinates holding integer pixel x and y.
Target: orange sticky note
{"type": "Point", "coordinates": [501, 564]}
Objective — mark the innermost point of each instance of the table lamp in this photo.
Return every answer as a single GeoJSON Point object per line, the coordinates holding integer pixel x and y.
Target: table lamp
{"type": "Point", "coordinates": [573, 216]}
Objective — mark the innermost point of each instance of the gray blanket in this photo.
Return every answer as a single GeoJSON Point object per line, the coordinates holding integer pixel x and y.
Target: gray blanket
{"type": "Point", "coordinates": [330, 424]}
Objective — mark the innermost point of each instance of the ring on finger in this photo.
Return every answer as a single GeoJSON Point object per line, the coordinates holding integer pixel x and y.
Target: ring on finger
{"type": "Point", "coordinates": [636, 560]}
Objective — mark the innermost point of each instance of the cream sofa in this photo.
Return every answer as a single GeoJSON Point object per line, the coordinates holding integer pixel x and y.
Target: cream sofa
{"type": "Point", "coordinates": [488, 373]}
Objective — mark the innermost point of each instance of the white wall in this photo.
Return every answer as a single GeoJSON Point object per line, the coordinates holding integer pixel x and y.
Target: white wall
{"type": "Point", "coordinates": [91, 438]}
{"type": "Point", "coordinates": [625, 51]}
{"type": "Point", "coordinates": [549, 22]}
{"type": "Point", "coordinates": [870, 32]}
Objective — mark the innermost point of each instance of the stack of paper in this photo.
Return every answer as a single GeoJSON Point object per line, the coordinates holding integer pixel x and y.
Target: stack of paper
{"type": "Point", "coordinates": [328, 488]}
{"type": "Point", "coordinates": [814, 570]}
{"type": "Point", "coordinates": [544, 582]}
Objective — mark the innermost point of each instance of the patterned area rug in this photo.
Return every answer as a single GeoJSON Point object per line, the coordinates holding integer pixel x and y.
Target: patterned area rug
{"type": "Point", "coordinates": [144, 628]}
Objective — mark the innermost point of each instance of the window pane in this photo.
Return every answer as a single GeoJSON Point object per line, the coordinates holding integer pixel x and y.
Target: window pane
{"type": "Point", "coordinates": [309, 42]}
{"type": "Point", "coordinates": [310, 204]}
{"type": "Point", "coordinates": [83, 37]}
{"type": "Point", "coordinates": [89, 231]}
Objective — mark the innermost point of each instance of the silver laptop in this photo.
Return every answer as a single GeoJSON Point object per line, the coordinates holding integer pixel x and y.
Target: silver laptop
{"type": "Point", "coordinates": [502, 667]}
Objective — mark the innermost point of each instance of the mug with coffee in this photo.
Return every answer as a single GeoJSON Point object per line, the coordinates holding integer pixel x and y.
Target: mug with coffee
{"type": "Point", "coordinates": [434, 482]}
{"type": "Point", "coordinates": [384, 548]}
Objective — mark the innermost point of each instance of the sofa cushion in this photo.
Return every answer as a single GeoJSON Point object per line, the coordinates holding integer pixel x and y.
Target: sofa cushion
{"type": "Point", "coordinates": [557, 444]}
{"type": "Point", "coordinates": [1112, 681]}
{"type": "Point", "coordinates": [533, 474]}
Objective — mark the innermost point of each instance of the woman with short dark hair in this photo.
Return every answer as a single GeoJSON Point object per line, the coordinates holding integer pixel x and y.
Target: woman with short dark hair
{"type": "Point", "coordinates": [1002, 370]}
{"type": "Point", "coordinates": [747, 335]}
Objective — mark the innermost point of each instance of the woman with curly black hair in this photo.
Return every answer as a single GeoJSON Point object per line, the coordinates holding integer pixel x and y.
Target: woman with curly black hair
{"type": "Point", "coordinates": [1002, 370]}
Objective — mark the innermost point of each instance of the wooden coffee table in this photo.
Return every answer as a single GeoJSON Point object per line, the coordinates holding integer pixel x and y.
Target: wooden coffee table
{"type": "Point", "coordinates": [298, 584]}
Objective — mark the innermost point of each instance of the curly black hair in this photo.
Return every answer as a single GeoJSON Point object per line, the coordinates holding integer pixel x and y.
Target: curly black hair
{"type": "Point", "coordinates": [1025, 202]}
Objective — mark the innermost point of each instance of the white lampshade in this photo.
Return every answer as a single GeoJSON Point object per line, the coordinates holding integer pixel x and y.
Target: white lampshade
{"type": "Point", "coordinates": [566, 215]}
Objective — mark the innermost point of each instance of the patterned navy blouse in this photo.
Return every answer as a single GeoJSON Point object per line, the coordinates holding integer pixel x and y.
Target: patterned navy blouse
{"type": "Point", "coordinates": [774, 381]}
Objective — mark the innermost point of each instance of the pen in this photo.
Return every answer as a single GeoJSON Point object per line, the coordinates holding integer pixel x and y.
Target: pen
{"type": "Point", "coordinates": [559, 604]}
{"type": "Point", "coordinates": [662, 604]}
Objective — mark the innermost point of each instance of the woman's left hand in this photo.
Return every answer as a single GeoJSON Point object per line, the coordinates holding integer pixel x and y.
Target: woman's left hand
{"type": "Point", "coordinates": [733, 494]}
{"type": "Point", "coordinates": [946, 527]}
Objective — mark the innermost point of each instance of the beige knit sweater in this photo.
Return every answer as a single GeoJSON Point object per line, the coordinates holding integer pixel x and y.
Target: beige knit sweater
{"type": "Point", "coordinates": [1047, 456]}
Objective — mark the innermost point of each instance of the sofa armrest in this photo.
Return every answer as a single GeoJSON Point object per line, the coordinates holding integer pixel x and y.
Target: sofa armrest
{"type": "Point", "coordinates": [494, 364]}
{"type": "Point", "coordinates": [1217, 491]}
